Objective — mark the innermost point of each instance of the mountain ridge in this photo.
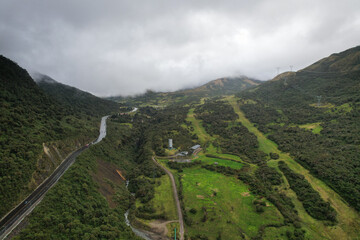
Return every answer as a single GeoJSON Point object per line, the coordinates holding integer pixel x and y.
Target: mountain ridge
{"type": "Point", "coordinates": [74, 98]}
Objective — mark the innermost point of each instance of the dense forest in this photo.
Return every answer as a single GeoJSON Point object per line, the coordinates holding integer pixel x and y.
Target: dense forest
{"type": "Point", "coordinates": [75, 99]}
{"type": "Point", "coordinates": [30, 117]}
{"type": "Point", "coordinates": [83, 212]}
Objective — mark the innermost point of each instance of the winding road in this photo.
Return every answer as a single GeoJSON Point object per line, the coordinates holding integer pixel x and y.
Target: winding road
{"type": "Point", "coordinates": [181, 220]}
{"type": "Point", "coordinates": [15, 216]}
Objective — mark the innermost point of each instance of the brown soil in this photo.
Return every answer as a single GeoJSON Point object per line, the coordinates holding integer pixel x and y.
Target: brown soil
{"type": "Point", "coordinates": [106, 176]}
{"type": "Point", "coordinates": [245, 194]}
{"type": "Point", "coordinates": [159, 227]}
{"type": "Point", "coordinates": [200, 196]}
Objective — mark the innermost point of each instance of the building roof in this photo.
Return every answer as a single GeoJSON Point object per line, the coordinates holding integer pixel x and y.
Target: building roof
{"type": "Point", "coordinates": [195, 147]}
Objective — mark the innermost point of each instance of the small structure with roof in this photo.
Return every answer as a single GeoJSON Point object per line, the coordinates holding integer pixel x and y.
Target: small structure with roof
{"type": "Point", "coordinates": [195, 147]}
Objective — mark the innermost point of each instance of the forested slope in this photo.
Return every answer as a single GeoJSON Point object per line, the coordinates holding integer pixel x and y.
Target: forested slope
{"type": "Point", "coordinates": [74, 98]}
{"type": "Point", "coordinates": [314, 114]}
{"type": "Point", "coordinates": [29, 118]}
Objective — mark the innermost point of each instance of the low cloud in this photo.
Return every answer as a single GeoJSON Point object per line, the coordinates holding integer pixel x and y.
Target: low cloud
{"type": "Point", "coordinates": [125, 47]}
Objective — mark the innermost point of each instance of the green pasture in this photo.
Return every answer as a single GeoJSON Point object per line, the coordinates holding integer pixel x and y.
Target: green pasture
{"type": "Point", "coordinates": [221, 162]}
{"type": "Point", "coordinates": [228, 204]}
{"type": "Point", "coordinates": [164, 199]}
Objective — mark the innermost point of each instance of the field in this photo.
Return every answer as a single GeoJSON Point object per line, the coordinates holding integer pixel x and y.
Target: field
{"type": "Point", "coordinates": [164, 199]}
{"type": "Point", "coordinates": [163, 203]}
{"type": "Point", "coordinates": [226, 203]}
{"type": "Point", "coordinates": [221, 162]}
{"type": "Point", "coordinates": [313, 127]}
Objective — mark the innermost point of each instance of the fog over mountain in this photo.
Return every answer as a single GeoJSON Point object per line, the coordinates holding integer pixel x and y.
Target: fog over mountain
{"type": "Point", "coordinates": [126, 47]}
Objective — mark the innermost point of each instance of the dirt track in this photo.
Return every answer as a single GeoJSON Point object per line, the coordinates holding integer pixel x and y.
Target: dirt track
{"type": "Point", "coordinates": [181, 221]}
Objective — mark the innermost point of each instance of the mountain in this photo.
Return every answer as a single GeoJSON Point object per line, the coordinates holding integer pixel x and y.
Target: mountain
{"type": "Point", "coordinates": [75, 99]}
{"type": "Point", "coordinates": [345, 61]}
{"type": "Point", "coordinates": [314, 114]}
{"type": "Point", "coordinates": [28, 118]}
{"type": "Point", "coordinates": [36, 132]}
{"type": "Point", "coordinates": [223, 86]}
{"type": "Point", "coordinates": [218, 87]}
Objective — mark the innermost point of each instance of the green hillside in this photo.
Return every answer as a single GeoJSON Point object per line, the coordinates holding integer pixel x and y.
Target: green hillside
{"type": "Point", "coordinates": [218, 87]}
{"type": "Point", "coordinates": [223, 86]}
{"type": "Point", "coordinates": [30, 121]}
{"type": "Point", "coordinates": [314, 114]}
{"type": "Point", "coordinates": [74, 98]}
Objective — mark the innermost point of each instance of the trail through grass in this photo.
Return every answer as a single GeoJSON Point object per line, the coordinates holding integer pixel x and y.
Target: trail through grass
{"type": "Point", "coordinates": [198, 128]}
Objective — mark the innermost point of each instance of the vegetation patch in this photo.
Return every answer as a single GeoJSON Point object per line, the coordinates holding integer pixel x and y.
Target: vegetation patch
{"type": "Point", "coordinates": [223, 212]}
{"type": "Point", "coordinates": [163, 201]}
{"type": "Point", "coordinates": [75, 209]}
{"type": "Point", "coordinates": [311, 199]}
{"type": "Point", "coordinates": [220, 162]}
{"type": "Point", "coordinates": [313, 127]}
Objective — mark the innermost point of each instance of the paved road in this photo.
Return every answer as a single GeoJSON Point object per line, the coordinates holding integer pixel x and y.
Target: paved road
{"type": "Point", "coordinates": [13, 218]}
{"type": "Point", "coordinates": [181, 220]}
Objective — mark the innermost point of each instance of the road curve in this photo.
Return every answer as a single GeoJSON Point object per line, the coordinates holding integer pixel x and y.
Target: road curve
{"type": "Point", "coordinates": [181, 220]}
{"type": "Point", "coordinates": [15, 216]}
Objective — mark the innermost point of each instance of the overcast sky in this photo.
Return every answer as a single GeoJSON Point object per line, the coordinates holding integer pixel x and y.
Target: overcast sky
{"type": "Point", "coordinates": [114, 47]}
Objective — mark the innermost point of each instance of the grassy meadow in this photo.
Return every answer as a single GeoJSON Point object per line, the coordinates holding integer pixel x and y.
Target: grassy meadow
{"type": "Point", "coordinates": [226, 203]}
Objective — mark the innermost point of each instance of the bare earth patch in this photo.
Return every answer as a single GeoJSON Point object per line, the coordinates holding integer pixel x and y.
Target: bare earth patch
{"type": "Point", "coordinates": [200, 196]}
{"type": "Point", "coordinates": [245, 194]}
{"type": "Point", "coordinates": [159, 227]}
{"type": "Point", "coordinates": [107, 176]}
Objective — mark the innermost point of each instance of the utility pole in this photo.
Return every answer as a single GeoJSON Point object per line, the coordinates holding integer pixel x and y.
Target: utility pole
{"type": "Point", "coordinates": [291, 67]}
{"type": "Point", "coordinates": [318, 99]}
{"type": "Point", "coordinates": [278, 69]}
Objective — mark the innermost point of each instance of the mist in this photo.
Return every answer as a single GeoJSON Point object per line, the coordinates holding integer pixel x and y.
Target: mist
{"type": "Point", "coordinates": [126, 47]}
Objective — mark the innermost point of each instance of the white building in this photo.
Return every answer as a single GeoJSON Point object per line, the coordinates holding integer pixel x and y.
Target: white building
{"type": "Point", "coordinates": [170, 143]}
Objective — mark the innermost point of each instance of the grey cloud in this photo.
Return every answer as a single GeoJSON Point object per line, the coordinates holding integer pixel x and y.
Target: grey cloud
{"type": "Point", "coordinates": [125, 47]}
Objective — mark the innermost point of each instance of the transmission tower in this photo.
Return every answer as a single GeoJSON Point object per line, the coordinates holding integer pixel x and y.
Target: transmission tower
{"type": "Point", "coordinates": [318, 100]}
{"type": "Point", "coordinates": [278, 69]}
{"type": "Point", "coordinates": [291, 67]}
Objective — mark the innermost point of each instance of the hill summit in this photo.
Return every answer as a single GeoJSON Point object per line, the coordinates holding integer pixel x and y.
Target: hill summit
{"type": "Point", "coordinates": [74, 98]}
{"type": "Point", "coordinates": [348, 60]}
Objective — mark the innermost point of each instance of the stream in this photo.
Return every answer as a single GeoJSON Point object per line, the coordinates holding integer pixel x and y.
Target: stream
{"type": "Point", "coordinates": [127, 221]}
